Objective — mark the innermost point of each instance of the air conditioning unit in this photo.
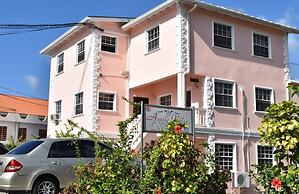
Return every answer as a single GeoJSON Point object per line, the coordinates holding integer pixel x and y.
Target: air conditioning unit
{"type": "Point", "coordinates": [241, 179]}
{"type": "Point", "coordinates": [54, 117]}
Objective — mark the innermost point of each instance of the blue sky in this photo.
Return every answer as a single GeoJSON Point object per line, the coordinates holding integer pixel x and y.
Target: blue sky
{"type": "Point", "coordinates": [23, 69]}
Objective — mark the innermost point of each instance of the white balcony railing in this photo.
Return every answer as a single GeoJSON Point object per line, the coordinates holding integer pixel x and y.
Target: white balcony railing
{"type": "Point", "coordinates": [200, 117]}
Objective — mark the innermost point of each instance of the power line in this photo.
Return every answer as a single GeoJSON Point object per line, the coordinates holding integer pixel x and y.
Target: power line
{"type": "Point", "coordinates": [12, 29]}
{"type": "Point", "coordinates": [16, 91]}
{"type": "Point", "coordinates": [18, 98]}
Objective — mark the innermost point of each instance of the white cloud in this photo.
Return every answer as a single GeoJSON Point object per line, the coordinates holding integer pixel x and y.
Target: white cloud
{"type": "Point", "coordinates": [32, 81]}
{"type": "Point", "coordinates": [293, 42]}
{"type": "Point", "coordinates": [289, 16]}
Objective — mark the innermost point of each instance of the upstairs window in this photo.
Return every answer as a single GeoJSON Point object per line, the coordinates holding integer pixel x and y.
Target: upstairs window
{"type": "Point", "coordinates": [264, 154]}
{"type": "Point", "coordinates": [3, 133]}
{"type": "Point", "coordinates": [165, 100]}
{"type": "Point", "coordinates": [108, 44]}
{"type": "Point", "coordinates": [107, 101]}
{"type": "Point", "coordinates": [188, 98]}
{"type": "Point", "coordinates": [80, 51]}
{"type": "Point", "coordinates": [263, 98]}
{"type": "Point", "coordinates": [79, 103]}
{"type": "Point", "coordinates": [153, 39]}
{"type": "Point", "coordinates": [261, 45]}
{"type": "Point", "coordinates": [60, 63]}
{"type": "Point", "coordinates": [224, 93]}
{"type": "Point", "coordinates": [223, 36]}
{"type": "Point", "coordinates": [58, 108]}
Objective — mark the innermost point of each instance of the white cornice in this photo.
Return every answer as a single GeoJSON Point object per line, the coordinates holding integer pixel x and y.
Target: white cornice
{"type": "Point", "coordinates": [214, 8]}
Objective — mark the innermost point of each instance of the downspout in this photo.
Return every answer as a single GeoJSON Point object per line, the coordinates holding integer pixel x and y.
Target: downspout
{"type": "Point", "coordinates": [242, 126]}
{"type": "Point", "coordinates": [184, 69]}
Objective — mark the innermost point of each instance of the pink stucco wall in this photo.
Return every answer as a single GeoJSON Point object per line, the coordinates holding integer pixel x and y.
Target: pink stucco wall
{"type": "Point", "coordinates": [147, 67]}
{"type": "Point", "coordinates": [237, 65]}
{"type": "Point", "coordinates": [112, 66]}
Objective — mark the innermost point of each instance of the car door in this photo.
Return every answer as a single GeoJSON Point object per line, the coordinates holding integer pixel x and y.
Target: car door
{"type": "Point", "coordinates": [87, 151]}
{"type": "Point", "coordinates": [63, 157]}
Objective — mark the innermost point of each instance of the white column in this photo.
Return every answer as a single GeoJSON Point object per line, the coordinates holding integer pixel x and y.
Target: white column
{"type": "Point", "coordinates": [181, 88]}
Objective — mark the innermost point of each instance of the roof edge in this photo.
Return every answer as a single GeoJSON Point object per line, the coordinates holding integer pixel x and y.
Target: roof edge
{"type": "Point", "coordinates": [148, 14]}
{"type": "Point", "coordinates": [75, 28]}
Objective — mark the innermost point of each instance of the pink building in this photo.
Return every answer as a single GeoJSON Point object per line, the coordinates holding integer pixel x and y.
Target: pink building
{"type": "Point", "coordinates": [228, 65]}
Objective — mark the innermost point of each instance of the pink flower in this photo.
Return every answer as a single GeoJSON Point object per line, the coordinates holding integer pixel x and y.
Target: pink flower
{"type": "Point", "coordinates": [178, 129]}
{"type": "Point", "coordinates": [276, 183]}
{"type": "Point", "coordinates": [133, 152]}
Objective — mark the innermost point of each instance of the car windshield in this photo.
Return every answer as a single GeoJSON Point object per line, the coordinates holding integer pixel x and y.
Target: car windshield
{"type": "Point", "coordinates": [26, 147]}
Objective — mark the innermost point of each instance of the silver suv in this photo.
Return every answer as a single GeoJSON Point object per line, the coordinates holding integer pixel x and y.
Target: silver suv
{"type": "Point", "coordinates": [44, 166]}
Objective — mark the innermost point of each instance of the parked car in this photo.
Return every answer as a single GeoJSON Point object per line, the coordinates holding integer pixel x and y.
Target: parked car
{"type": "Point", "coordinates": [3, 150]}
{"type": "Point", "coordinates": [44, 166]}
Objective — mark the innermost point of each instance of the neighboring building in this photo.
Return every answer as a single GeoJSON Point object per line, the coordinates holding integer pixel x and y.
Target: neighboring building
{"type": "Point", "coordinates": [228, 65]}
{"type": "Point", "coordinates": [295, 97]}
{"type": "Point", "coordinates": [22, 118]}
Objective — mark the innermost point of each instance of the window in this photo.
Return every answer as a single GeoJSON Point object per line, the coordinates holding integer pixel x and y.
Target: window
{"type": "Point", "coordinates": [106, 101]}
{"type": "Point", "coordinates": [261, 45]}
{"type": "Point", "coordinates": [81, 51]}
{"type": "Point", "coordinates": [165, 100]}
{"type": "Point", "coordinates": [223, 36]}
{"type": "Point", "coordinates": [263, 98]}
{"type": "Point", "coordinates": [22, 134]}
{"type": "Point", "coordinates": [224, 93]}
{"type": "Point", "coordinates": [26, 147]}
{"type": "Point", "coordinates": [3, 133]}
{"type": "Point", "coordinates": [108, 44]}
{"type": "Point", "coordinates": [63, 149]}
{"type": "Point", "coordinates": [153, 39]}
{"type": "Point", "coordinates": [60, 62]}
{"type": "Point", "coordinates": [58, 108]}
{"type": "Point", "coordinates": [188, 98]}
{"type": "Point", "coordinates": [79, 103]}
{"type": "Point", "coordinates": [264, 154]}
{"type": "Point", "coordinates": [225, 156]}
{"type": "Point", "coordinates": [42, 133]}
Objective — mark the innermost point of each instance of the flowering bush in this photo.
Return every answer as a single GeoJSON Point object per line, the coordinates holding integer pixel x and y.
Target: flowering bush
{"type": "Point", "coordinates": [280, 129]}
{"type": "Point", "coordinates": [173, 165]}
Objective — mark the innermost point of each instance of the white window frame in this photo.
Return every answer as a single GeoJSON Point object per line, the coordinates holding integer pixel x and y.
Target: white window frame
{"type": "Point", "coordinates": [269, 46]}
{"type": "Point", "coordinates": [233, 34]}
{"type": "Point", "coordinates": [55, 108]}
{"type": "Point", "coordinates": [57, 61]}
{"type": "Point", "coordinates": [254, 96]}
{"type": "Point", "coordinates": [114, 101]}
{"type": "Point", "coordinates": [77, 53]}
{"type": "Point", "coordinates": [116, 43]}
{"type": "Point", "coordinates": [235, 166]}
{"type": "Point", "coordinates": [234, 92]}
{"type": "Point", "coordinates": [256, 153]}
{"type": "Point", "coordinates": [75, 103]}
{"type": "Point", "coordinates": [146, 39]}
{"type": "Point", "coordinates": [164, 95]}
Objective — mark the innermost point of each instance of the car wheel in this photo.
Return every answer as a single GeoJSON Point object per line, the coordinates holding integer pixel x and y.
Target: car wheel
{"type": "Point", "coordinates": [45, 185]}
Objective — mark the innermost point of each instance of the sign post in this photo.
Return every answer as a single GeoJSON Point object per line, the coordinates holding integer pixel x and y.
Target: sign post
{"type": "Point", "coordinates": [156, 117]}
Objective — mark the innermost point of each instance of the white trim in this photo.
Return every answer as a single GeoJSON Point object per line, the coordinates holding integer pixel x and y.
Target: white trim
{"type": "Point", "coordinates": [77, 44]}
{"type": "Point", "coordinates": [234, 93]}
{"type": "Point", "coordinates": [235, 166]}
{"type": "Point", "coordinates": [232, 33]}
{"type": "Point", "coordinates": [164, 95]}
{"type": "Point", "coordinates": [116, 43]}
{"type": "Point", "coordinates": [214, 8]}
{"type": "Point", "coordinates": [254, 97]}
{"type": "Point", "coordinates": [269, 46]}
{"type": "Point", "coordinates": [74, 110]}
{"type": "Point", "coordinates": [114, 100]}
{"type": "Point", "coordinates": [256, 152]}
{"type": "Point", "coordinates": [146, 39]}
{"type": "Point", "coordinates": [57, 63]}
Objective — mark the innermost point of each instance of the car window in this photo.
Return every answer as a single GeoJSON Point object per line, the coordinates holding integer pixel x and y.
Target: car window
{"type": "Point", "coordinates": [26, 147]}
{"type": "Point", "coordinates": [3, 150]}
{"type": "Point", "coordinates": [63, 149]}
{"type": "Point", "coordinates": [87, 149]}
